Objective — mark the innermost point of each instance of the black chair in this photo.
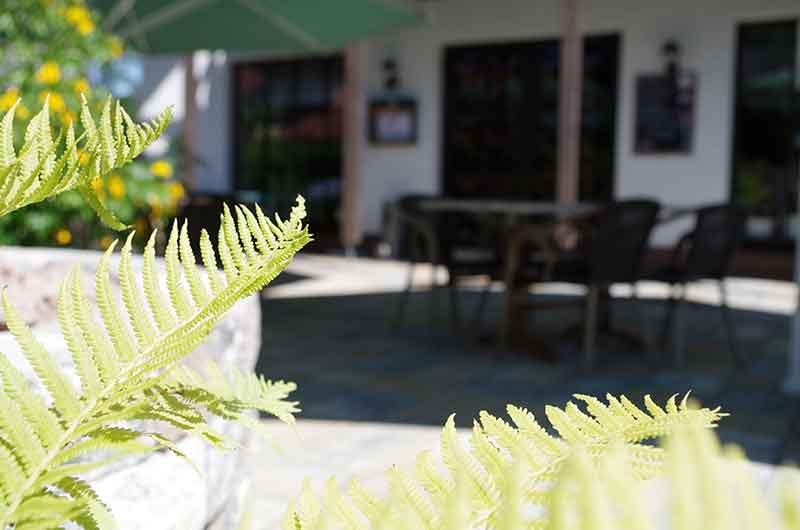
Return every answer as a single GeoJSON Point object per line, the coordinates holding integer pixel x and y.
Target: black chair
{"type": "Point", "coordinates": [704, 253]}
{"type": "Point", "coordinates": [610, 250]}
{"type": "Point", "coordinates": [464, 244]}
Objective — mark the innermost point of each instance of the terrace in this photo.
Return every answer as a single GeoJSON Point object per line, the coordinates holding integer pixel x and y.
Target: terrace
{"type": "Point", "coordinates": [364, 385]}
{"type": "Point", "coordinates": [511, 203]}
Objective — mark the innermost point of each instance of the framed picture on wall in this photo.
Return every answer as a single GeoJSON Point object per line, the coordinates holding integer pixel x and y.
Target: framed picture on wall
{"type": "Point", "coordinates": [665, 108]}
{"type": "Point", "coordinates": [393, 121]}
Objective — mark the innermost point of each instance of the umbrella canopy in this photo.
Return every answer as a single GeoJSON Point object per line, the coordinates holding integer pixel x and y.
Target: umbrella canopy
{"type": "Point", "coordinates": [160, 26]}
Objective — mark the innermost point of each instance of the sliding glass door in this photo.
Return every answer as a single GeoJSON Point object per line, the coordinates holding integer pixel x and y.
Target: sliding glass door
{"type": "Point", "coordinates": [288, 136]}
{"type": "Point", "coordinates": [766, 128]}
{"type": "Point", "coordinates": [501, 119]}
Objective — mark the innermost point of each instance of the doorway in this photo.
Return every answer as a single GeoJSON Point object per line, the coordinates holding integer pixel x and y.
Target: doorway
{"type": "Point", "coordinates": [288, 137]}
{"type": "Point", "coordinates": [764, 178]}
{"type": "Point", "coordinates": [501, 119]}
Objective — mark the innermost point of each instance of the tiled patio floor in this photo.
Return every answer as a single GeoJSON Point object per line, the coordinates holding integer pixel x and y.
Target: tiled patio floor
{"type": "Point", "coordinates": [326, 327]}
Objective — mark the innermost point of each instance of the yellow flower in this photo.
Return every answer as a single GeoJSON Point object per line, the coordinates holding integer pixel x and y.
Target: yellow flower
{"type": "Point", "coordinates": [116, 186]}
{"type": "Point", "coordinates": [106, 241]}
{"type": "Point", "coordinates": [96, 184]}
{"type": "Point", "coordinates": [161, 169]}
{"type": "Point", "coordinates": [55, 101]}
{"type": "Point", "coordinates": [176, 191]}
{"type": "Point", "coordinates": [22, 112]}
{"type": "Point", "coordinates": [63, 236]}
{"type": "Point", "coordinates": [49, 73]}
{"type": "Point", "coordinates": [67, 117]}
{"type": "Point", "coordinates": [76, 14]}
{"type": "Point", "coordinates": [8, 98]}
{"type": "Point", "coordinates": [81, 86]}
{"type": "Point", "coordinates": [83, 158]}
{"type": "Point", "coordinates": [80, 18]}
{"type": "Point", "coordinates": [85, 27]}
{"type": "Point", "coordinates": [117, 48]}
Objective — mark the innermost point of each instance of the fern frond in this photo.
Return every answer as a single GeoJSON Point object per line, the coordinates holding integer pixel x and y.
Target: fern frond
{"type": "Point", "coordinates": [507, 471]}
{"type": "Point", "coordinates": [125, 355]}
{"type": "Point", "coordinates": [47, 164]}
{"type": "Point", "coordinates": [230, 395]}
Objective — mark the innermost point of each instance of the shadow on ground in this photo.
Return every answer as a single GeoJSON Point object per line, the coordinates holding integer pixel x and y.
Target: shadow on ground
{"type": "Point", "coordinates": [350, 365]}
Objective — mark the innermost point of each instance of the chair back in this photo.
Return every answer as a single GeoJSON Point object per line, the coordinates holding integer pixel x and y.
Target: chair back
{"type": "Point", "coordinates": [406, 247]}
{"type": "Point", "coordinates": [455, 233]}
{"type": "Point", "coordinates": [618, 240]}
{"type": "Point", "coordinates": [714, 241]}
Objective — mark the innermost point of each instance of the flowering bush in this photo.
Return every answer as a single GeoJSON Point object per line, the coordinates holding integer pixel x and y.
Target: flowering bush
{"type": "Point", "coordinates": [48, 48]}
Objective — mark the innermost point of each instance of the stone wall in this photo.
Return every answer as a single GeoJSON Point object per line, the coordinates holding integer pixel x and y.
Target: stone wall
{"type": "Point", "coordinates": [159, 491]}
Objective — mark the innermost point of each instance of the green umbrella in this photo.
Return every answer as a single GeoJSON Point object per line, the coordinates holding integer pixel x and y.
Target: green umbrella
{"type": "Point", "coordinates": [183, 26]}
{"type": "Point", "coordinates": [159, 26]}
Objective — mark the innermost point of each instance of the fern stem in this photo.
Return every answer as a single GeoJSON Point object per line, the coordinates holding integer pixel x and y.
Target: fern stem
{"type": "Point", "coordinates": [215, 308]}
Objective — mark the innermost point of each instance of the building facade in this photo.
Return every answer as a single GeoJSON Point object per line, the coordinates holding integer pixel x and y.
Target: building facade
{"type": "Point", "coordinates": [482, 79]}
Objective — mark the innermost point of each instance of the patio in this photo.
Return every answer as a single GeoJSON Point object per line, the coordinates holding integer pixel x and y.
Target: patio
{"type": "Point", "coordinates": [362, 386]}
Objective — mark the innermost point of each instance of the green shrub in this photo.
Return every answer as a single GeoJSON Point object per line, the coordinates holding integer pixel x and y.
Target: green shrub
{"type": "Point", "coordinates": [49, 48]}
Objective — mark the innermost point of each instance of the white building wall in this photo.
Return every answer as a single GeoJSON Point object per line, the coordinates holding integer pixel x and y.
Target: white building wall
{"type": "Point", "coordinates": [163, 86]}
{"type": "Point", "coordinates": [706, 30]}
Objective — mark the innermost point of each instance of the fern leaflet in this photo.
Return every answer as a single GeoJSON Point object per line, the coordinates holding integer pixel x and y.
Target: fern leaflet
{"type": "Point", "coordinates": [128, 370]}
{"type": "Point", "coordinates": [46, 165]}
{"type": "Point", "coordinates": [506, 470]}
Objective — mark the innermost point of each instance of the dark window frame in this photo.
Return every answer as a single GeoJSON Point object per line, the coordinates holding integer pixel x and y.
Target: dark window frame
{"type": "Point", "coordinates": [235, 102]}
{"type": "Point", "coordinates": [780, 238]}
{"type": "Point", "coordinates": [617, 41]}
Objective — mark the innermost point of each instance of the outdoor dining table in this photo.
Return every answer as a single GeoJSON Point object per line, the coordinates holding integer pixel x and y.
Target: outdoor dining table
{"type": "Point", "coordinates": [512, 208]}
{"type": "Point", "coordinates": [537, 218]}
{"type": "Point", "coordinates": [508, 207]}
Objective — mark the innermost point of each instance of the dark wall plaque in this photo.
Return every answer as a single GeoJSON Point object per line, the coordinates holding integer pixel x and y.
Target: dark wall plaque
{"type": "Point", "coordinates": [393, 121]}
{"type": "Point", "coordinates": [665, 109]}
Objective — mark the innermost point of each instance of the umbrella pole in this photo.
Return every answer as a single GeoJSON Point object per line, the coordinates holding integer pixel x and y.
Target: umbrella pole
{"type": "Point", "coordinates": [190, 111]}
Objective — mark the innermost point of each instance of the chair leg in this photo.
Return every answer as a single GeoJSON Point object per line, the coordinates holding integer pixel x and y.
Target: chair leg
{"type": "Point", "coordinates": [644, 322]}
{"type": "Point", "coordinates": [511, 315]}
{"type": "Point", "coordinates": [455, 314]}
{"type": "Point", "coordinates": [590, 325]}
{"type": "Point", "coordinates": [480, 309]}
{"type": "Point", "coordinates": [727, 319]}
{"type": "Point", "coordinates": [679, 330]}
{"type": "Point", "coordinates": [402, 301]}
{"type": "Point", "coordinates": [435, 292]}
{"type": "Point", "coordinates": [669, 317]}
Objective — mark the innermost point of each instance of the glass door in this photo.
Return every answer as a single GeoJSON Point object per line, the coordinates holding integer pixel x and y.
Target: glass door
{"type": "Point", "coordinates": [765, 129]}
{"type": "Point", "coordinates": [501, 119]}
{"type": "Point", "coordinates": [288, 136]}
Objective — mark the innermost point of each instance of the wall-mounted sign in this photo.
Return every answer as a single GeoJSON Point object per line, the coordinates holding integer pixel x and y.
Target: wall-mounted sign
{"type": "Point", "coordinates": [393, 121]}
{"type": "Point", "coordinates": [665, 107]}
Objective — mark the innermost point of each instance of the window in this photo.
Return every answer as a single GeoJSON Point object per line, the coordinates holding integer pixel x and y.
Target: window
{"type": "Point", "coordinates": [288, 134]}
{"type": "Point", "coordinates": [764, 179]}
{"type": "Point", "coordinates": [501, 119]}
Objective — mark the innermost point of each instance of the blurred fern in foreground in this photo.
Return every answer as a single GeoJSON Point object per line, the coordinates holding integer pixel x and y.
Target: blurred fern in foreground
{"type": "Point", "coordinates": [596, 475]}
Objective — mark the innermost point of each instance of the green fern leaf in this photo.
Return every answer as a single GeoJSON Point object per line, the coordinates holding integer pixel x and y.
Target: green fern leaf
{"type": "Point", "coordinates": [47, 164]}
{"type": "Point", "coordinates": [129, 374]}
{"type": "Point", "coordinates": [506, 474]}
